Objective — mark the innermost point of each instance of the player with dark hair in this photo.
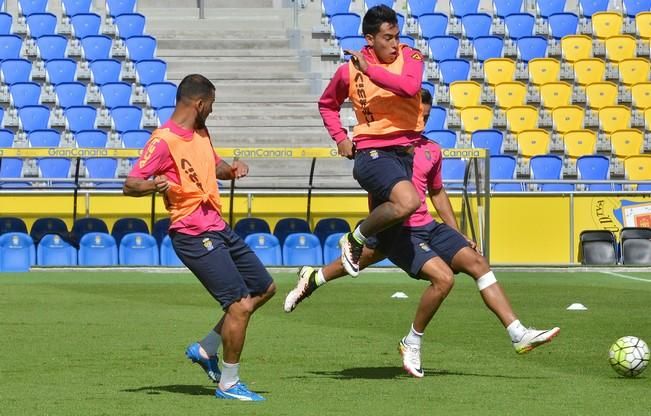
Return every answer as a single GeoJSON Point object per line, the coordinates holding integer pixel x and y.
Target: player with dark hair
{"type": "Point", "coordinates": [183, 167]}
{"type": "Point", "coordinates": [426, 99]}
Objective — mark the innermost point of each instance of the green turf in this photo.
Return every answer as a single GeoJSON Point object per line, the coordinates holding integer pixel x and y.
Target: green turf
{"type": "Point", "coordinates": [111, 343]}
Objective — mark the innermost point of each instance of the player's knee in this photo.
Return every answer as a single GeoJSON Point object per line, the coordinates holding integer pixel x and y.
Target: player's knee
{"type": "Point", "coordinates": [478, 266]}
{"type": "Point", "coordinates": [407, 205]}
{"type": "Point", "coordinates": [243, 307]}
{"type": "Point", "coordinates": [444, 281]}
{"type": "Point", "coordinates": [271, 290]}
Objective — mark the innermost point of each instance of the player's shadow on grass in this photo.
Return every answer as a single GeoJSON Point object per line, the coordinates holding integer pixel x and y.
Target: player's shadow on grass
{"type": "Point", "coordinates": [190, 389]}
{"type": "Point", "coordinates": [378, 373]}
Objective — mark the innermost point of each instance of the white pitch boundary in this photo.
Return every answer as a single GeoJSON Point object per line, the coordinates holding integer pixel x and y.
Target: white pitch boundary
{"type": "Point", "coordinates": [623, 276]}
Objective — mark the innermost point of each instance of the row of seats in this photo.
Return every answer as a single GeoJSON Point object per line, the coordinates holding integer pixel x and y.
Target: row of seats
{"type": "Point", "coordinates": [601, 247]}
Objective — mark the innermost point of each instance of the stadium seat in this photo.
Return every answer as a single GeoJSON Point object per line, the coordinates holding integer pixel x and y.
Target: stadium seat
{"type": "Point", "coordinates": [443, 47]}
{"type": "Point", "coordinates": [567, 118]}
{"type": "Point", "coordinates": [115, 8]}
{"type": "Point", "coordinates": [330, 7]}
{"type": "Point", "coordinates": [51, 47]}
{"type": "Point", "coordinates": [27, 7]}
{"type": "Point", "coordinates": [510, 94]}
{"type": "Point", "coordinates": [331, 248]}
{"type": "Point", "coordinates": [160, 229]}
{"type": "Point", "coordinates": [595, 168]}
{"type": "Point", "coordinates": [44, 138]}
{"type": "Point", "coordinates": [5, 23]}
{"type": "Point", "coordinates": [620, 47]}
{"type": "Point", "coordinates": [641, 95]}
{"type": "Point", "coordinates": [633, 71]}
{"type": "Point", "coordinates": [149, 71]}
{"type": "Point", "coordinates": [73, 7]}
{"type": "Point", "coordinates": [98, 249]}
{"type": "Point", "coordinates": [487, 47]}
{"type": "Point", "coordinates": [328, 226]}
{"type": "Point", "coordinates": [126, 118]}
{"type": "Point", "coordinates": [345, 24]}
{"type": "Point", "coordinates": [498, 70]}
{"type": "Point", "coordinates": [251, 225]}
{"type": "Point", "coordinates": [16, 70]}
{"type": "Point", "coordinates": [353, 43]}
{"type": "Point", "coordinates": [633, 7]}
{"type": "Point", "coordinates": [418, 8]}
{"type": "Point", "coordinates": [141, 47]}
{"type": "Point", "coordinates": [161, 94]}
{"type": "Point", "coordinates": [606, 24]}
{"type": "Point", "coordinates": [476, 24]}
{"type": "Point", "coordinates": [24, 93]}
{"type": "Point", "coordinates": [60, 70]}
{"type": "Point", "coordinates": [589, 7]}
{"type": "Point", "coordinates": [371, 3]}
{"type": "Point", "coordinates": [597, 247]}
{"type": "Point", "coordinates": [10, 46]}
{"type": "Point", "coordinates": [548, 167]}
{"type": "Point", "coordinates": [125, 226]}
{"type": "Point", "coordinates": [519, 25]}
{"type": "Point", "coordinates": [266, 247]}
{"type": "Point", "coordinates": [638, 168]}
{"type": "Point", "coordinates": [102, 168]}
{"type": "Point", "coordinates": [40, 24]}
{"type": "Point", "coordinates": [627, 142]}
{"type": "Point", "coordinates": [452, 172]}
{"type": "Point", "coordinates": [635, 245]}
{"type": "Point", "coordinates": [447, 139]}
{"type": "Point", "coordinates": [287, 226]}
{"type": "Point", "coordinates": [533, 142]}
{"type": "Point", "coordinates": [48, 225]}
{"type": "Point", "coordinates": [70, 94]}
{"type": "Point", "coordinates": [164, 114]}
{"type": "Point", "coordinates": [168, 256]}
{"type": "Point", "coordinates": [488, 139]}
{"type": "Point", "coordinates": [454, 70]}
{"type": "Point", "coordinates": [138, 249]}
{"type": "Point", "coordinates": [432, 25]}
{"type": "Point", "coordinates": [437, 119]}
{"type": "Point", "coordinates": [531, 47]}
{"type": "Point", "coordinates": [116, 94]}
{"type": "Point", "coordinates": [83, 226]}
{"type": "Point", "coordinates": [55, 168]}
{"type": "Point", "coordinates": [301, 249]}
{"type": "Point", "coordinates": [589, 70]}
{"type": "Point", "coordinates": [135, 139]}
{"type": "Point", "coordinates": [546, 8]}
{"type": "Point", "coordinates": [503, 8]}
{"type": "Point", "coordinates": [643, 26]}
{"type": "Point", "coordinates": [579, 143]}
{"type": "Point", "coordinates": [520, 118]}
{"type": "Point", "coordinates": [12, 225]}
{"type": "Point", "coordinates": [464, 94]}
{"type": "Point", "coordinates": [11, 167]}
{"type": "Point", "coordinates": [562, 24]}
{"type": "Point", "coordinates": [34, 117]}
{"type": "Point", "coordinates": [575, 47]}
{"type": "Point", "coordinates": [614, 118]}
{"type": "Point", "coordinates": [96, 47]}
{"type": "Point", "coordinates": [80, 118]}
{"type": "Point", "coordinates": [503, 167]}
{"type": "Point", "coordinates": [555, 94]}
{"type": "Point", "coordinates": [476, 118]}
{"type": "Point", "coordinates": [460, 8]}
{"type": "Point", "coordinates": [104, 71]}
{"type": "Point", "coordinates": [6, 136]}
{"type": "Point", "coordinates": [17, 252]}
{"type": "Point", "coordinates": [601, 94]}
{"type": "Point", "coordinates": [426, 85]}
{"type": "Point", "coordinates": [52, 250]}
{"type": "Point", "coordinates": [129, 24]}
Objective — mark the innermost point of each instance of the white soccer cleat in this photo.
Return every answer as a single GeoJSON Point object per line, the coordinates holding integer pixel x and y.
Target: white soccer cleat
{"type": "Point", "coordinates": [411, 358]}
{"type": "Point", "coordinates": [533, 338]}
{"type": "Point", "coordinates": [303, 289]}
{"type": "Point", "coordinates": [351, 251]}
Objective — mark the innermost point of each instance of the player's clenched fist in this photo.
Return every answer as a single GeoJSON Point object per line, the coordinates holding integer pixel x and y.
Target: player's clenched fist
{"type": "Point", "coordinates": [161, 183]}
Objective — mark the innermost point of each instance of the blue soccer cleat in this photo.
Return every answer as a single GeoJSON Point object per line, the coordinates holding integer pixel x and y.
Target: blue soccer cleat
{"type": "Point", "coordinates": [209, 365]}
{"type": "Point", "coordinates": [238, 391]}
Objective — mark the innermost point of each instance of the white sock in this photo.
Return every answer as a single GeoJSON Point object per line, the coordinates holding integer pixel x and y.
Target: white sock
{"type": "Point", "coordinates": [516, 330]}
{"type": "Point", "coordinates": [357, 235]}
{"type": "Point", "coordinates": [230, 375]}
{"type": "Point", "coordinates": [211, 343]}
{"type": "Point", "coordinates": [320, 278]}
{"type": "Point", "coordinates": [413, 337]}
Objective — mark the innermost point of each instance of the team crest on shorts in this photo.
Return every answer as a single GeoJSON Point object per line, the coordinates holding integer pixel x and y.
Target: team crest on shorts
{"type": "Point", "coordinates": [424, 247]}
{"type": "Point", "coordinates": [374, 154]}
{"type": "Point", "coordinates": [207, 244]}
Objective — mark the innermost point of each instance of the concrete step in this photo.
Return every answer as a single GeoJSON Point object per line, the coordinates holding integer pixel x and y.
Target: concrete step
{"type": "Point", "coordinates": [224, 98]}
{"type": "Point", "coordinates": [224, 35]}
{"type": "Point", "coordinates": [256, 88]}
{"type": "Point", "coordinates": [215, 74]}
{"type": "Point", "coordinates": [209, 4]}
{"type": "Point", "coordinates": [212, 43]}
{"type": "Point", "coordinates": [271, 137]}
{"type": "Point", "coordinates": [226, 53]}
{"type": "Point", "coordinates": [223, 121]}
{"type": "Point", "coordinates": [228, 64]}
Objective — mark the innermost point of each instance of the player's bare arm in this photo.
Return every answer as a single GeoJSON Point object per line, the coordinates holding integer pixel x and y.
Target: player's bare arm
{"type": "Point", "coordinates": [140, 187]}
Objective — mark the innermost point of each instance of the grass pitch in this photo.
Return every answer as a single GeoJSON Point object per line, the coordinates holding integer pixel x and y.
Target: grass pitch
{"type": "Point", "coordinates": [112, 343]}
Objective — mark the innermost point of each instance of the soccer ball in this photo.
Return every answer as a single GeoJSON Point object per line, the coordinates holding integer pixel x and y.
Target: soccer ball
{"type": "Point", "coordinates": [629, 356]}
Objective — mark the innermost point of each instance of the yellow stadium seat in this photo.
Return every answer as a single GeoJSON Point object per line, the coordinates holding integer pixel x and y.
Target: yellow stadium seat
{"type": "Point", "coordinates": [614, 118]}
{"type": "Point", "coordinates": [601, 94]}
{"type": "Point", "coordinates": [465, 94]}
{"type": "Point", "coordinates": [521, 118]}
{"type": "Point", "coordinates": [641, 95]}
{"type": "Point", "coordinates": [587, 71]}
{"type": "Point", "coordinates": [510, 94]}
{"type": "Point", "coordinates": [555, 94]}
{"type": "Point", "coordinates": [633, 71]}
{"type": "Point", "coordinates": [533, 142]}
{"type": "Point", "coordinates": [497, 70]}
{"type": "Point", "coordinates": [606, 24]}
{"type": "Point", "coordinates": [543, 70]}
{"type": "Point", "coordinates": [643, 25]}
{"type": "Point", "coordinates": [575, 47]}
{"type": "Point", "coordinates": [580, 143]}
{"type": "Point", "coordinates": [476, 118]}
{"type": "Point", "coordinates": [620, 47]}
{"type": "Point", "coordinates": [567, 118]}
{"type": "Point", "coordinates": [626, 143]}
{"type": "Point", "coordinates": [647, 118]}
{"type": "Point", "coordinates": [638, 167]}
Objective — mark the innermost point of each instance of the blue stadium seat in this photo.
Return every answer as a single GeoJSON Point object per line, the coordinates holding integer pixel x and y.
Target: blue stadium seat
{"type": "Point", "coordinates": [548, 167]}
{"type": "Point", "coordinates": [266, 247]}
{"type": "Point", "coordinates": [12, 225]}
{"type": "Point", "coordinates": [73, 7]}
{"type": "Point", "coordinates": [408, 40]}
{"type": "Point", "coordinates": [519, 25]}
{"type": "Point", "coordinates": [6, 136]}
{"type": "Point", "coordinates": [130, 24]}
{"type": "Point", "coordinates": [160, 229]}
{"type": "Point", "coordinates": [16, 70]}
{"type": "Point", "coordinates": [70, 94]}
{"type": "Point", "coordinates": [331, 248]}
{"type": "Point", "coordinates": [150, 71]}
{"type": "Point", "coordinates": [80, 117]}
{"type": "Point", "coordinates": [530, 47]}
{"type": "Point", "coordinates": [54, 168]}
{"type": "Point", "coordinates": [487, 47]}
{"type": "Point", "coordinates": [138, 249]}
{"type": "Point", "coordinates": [562, 24]}
{"type": "Point", "coordinates": [372, 3]}
{"type": "Point", "coordinates": [83, 226]}
{"type": "Point", "coordinates": [48, 225]}
{"type": "Point", "coordinates": [161, 94]}
{"type": "Point", "coordinates": [102, 168]}
{"type": "Point", "coordinates": [433, 24]}
{"type": "Point", "coordinates": [443, 47]}
{"type": "Point", "coordinates": [287, 226]}
{"type": "Point", "coordinates": [51, 47]}
{"type": "Point", "coordinates": [418, 8]}
{"type": "Point", "coordinates": [96, 47]}
{"type": "Point", "coordinates": [5, 23]}
{"type": "Point", "coordinates": [126, 118]}
{"type": "Point", "coordinates": [60, 70]}
{"type": "Point", "coordinates": [40, 24]}
{"type": "Point", "coordinates": [34, 117]}
{"type": "Point", "coordinates": [44, 138]}
{"type": "Point", "coordinates": [426, 85]}
{"type": "Point", "coordinates": [437, 119]}
{"type": "Point", "coordinates": [98, 249]}
{"type": "Point", "coordinates": [345, 24]}
{"type": "Point", "coordinates": [27, 7]}
{"type": "Point", "coordinates": [454, 70]}
{"type": "Point", "coordinates": [168, 256]}
{"type": "Point", "coordinates": [488, 139]}
{"type": "Point", "coordinates": [401, 22]}
{"type": "Point", "coordinates": [115, 8]}
{"type": "Point", "coordinates": [164, 114]}
{"type": "Point", "coordinates": [331, 7]}
{"type": "Point", "coordinates": [503, 8]}
{"type": "Point", "coordinates": [125, 226]}
{"type": "Point", "coordinates": [453, 169]}
{"type": "Point", "coordinates": [10, 47]}
{"type": "Point", "coordinates": [17, 252]}
{"type": "Point", "coordinates": [352, 43]}
{"type": "Point", "coordinates": [115, 94]}
{"type": "Point", "coordinates": [447, 139]}
{"type": "Point", "coordinates": [384, 263]}
{"type": "Point", "coordinates": [85, 24]}
{"type": "Point", "coordinates": [549, 7]}
{"type": "Point", "coordinates": [135, 139]}
{"type": "Point", "coordinates": [104, 71]}
{"type": "Point", "coordinates": [11, 167]}
{"type": "Point", "coordinates": [327, 226]}
{"type": "Point", "coordinates": [503, 167]}
{"type": "Point", "coordinates": [633, 7]}
{"type": "Point", "coordinates": [251, 225]}
{"type": "Point", "coordinates": [590, 7]}
{"type": "Point", "coordinates": [24, 93]}
{"type": "Point", "coordinates": [302, 249]}
{"type": "Point", "coordinates": [141, 47]}
{"type": "Point", "coordinates": [476, 25]}
{"type": "Point", "coordinates": [52, 250]}
{"type": "Point", "coordinates": [91, 138]}
{"type": "Point", "coordinates": [597, 168]}
{"type": "Point", "coordinates": [460, 8]}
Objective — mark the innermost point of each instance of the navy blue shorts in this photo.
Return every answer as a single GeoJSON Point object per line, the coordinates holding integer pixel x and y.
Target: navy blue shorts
{"type": "Point", "coordinates": [378, 170]}
{"type": "Point", "coordinates": [224, 264]}
{"type": "Point", "coordinates": [411, 247]}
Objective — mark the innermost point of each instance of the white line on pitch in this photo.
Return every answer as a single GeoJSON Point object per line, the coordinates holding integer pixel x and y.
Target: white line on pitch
{"type": "Point", "coordinates": [627, 277]}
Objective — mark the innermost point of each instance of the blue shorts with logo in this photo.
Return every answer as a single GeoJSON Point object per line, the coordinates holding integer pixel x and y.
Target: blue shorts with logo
{"type": "Point", "coordinates": [378, 170]}
{"type": "Point", "coordinates": [223, 263]}
{"type": "Point", "coordinates": [411, 247]}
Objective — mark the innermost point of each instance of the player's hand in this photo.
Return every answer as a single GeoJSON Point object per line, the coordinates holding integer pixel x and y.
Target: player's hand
{"type": "Point", "coordinates": [472, 244]}
{"type": "Point", "coordinates": [358, 60]}
{"type": "Point", "coordinates": [239, 169]}
{"type": "Point", "coordinates": [346, 149]}
{"type": "Point", "coordinates": [161, 184]}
